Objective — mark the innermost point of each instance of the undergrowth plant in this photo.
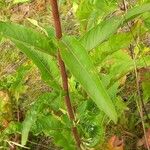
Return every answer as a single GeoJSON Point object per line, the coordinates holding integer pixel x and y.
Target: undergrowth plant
{"type": "Point", "coordinates": [97, 61]}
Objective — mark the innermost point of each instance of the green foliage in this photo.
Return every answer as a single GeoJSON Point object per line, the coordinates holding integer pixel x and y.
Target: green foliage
{"type": "Point", "coordinates": [99, 62]}
{"type": "Point", "coordinates": [46, 64]}
{"type": "Point", "coordinates": [34, 112]}
{"type": "Point", "coordinates": [18, 87]}
{"type": "Point", "coordinates": [41, 117]}
{"type": "Point", "coordinates": [5, 3]}
{"type": "Point", "coordinates": [136, 11]}
{"type": "Point", "coordinates": [81, 67]}
{"type": "Point", "coordinates": [100, 33]}
{"type": "Point", "coordinates": [2, 3]}
{"type": "Point", "coordinates": [90, 12]}
{"type": "Point", "coordinates": [56, 128]}
{"type": "Point", "coordinates": [28, 37]}
{"type": "Point", "coordinates": [92, 123]}
{"type": "Point", "coordinates": [106, 28]}
{"type": "Point", "coordinates": [146, 87]}
{"type": "Point", "coordinates": [15, 83]}
{"type": "Point", "coordinates": [20, 1]}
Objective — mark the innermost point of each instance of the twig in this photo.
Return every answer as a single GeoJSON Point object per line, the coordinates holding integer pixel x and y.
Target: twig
{"type": "Point", "coordinates": [139, 105]}
{"type": "Point", "coordinates": [58, 31]}
{"type": "Point", "coordinates": [41, 145]}
{"type": "Point", "coordinates": [11, 143]}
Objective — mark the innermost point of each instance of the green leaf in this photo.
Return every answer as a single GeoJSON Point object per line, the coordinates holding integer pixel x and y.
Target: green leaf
{"type": "Point", "coordinates": [89, 11]}
{"type": "Point", "coordinates": [100, 33]}
{"type": "Point", "coordinates": [35, 23]}
{"type": "Point", "coordinates": [81, 67]}
{"type": "Point", "coordinates": [20, 1]}
{"type": "Point", "coordinates": [18, 87]}
{"type": "Point", "coordinates": [28, 37]}
{"type": "Point", "coordinates": [146, 18]}
{"type": "Point", "coordinates": [13, 128]}
{"type": "Point", "coordinates": [121, 58]}
{"type": "Point", "coordinates": [91, 122]}
{"type": "Point", "coordinates": [53, 127]}
{"type": "Point", "coordinates": [113, 44]}
{"type": "Point", "coordinates": [28, 122]}
{"type": "Point", "coordinates": [84, 10]}
{"type": "Point", "coordinates": [146, 89]}
{"type": "Point", "coordinates": [106, 28]}
{"type": "Point", "coordinates": [0, 38]}
{"type": "Point", "coordinates": [134, 12]}
{"type": "Point", "coordinates": [33, 113]}
{"type": "Point", "coordinates": [46, 64]}
{"type": "Point", "coordinates": [122, 63]}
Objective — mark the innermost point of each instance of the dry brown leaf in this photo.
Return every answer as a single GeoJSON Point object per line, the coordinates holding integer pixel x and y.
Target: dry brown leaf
{"type": "Point", "coordinates": [4, 96]}
{"type": "Point", "coordinates": [18, 13]}
{"type": "Point", "coordinates": [5, 109]}
{"type": "Point", "coordinates": [40, 6]}
{"type": "Point", "coordinates": [142, 72]}
{"type": "Point", "coordinates": [123, 80]}
{"type": "Point", "coordinates": [115, 143]}
{"type": "Point", "coordinates": [142, 142]}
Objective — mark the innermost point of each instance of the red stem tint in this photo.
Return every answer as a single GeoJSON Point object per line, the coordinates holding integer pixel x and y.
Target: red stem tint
{"type": "Point", "coordinates": [58, 31]}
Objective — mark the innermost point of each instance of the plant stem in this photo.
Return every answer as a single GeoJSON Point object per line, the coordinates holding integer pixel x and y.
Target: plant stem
{"type": "Point", "coordinates": [139, 105]}
{"type": "Point", "coordinates": [58, 31]}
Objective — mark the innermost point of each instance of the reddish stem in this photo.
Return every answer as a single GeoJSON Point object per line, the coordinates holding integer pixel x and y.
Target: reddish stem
{"type": "Point", "coordinates": [58, 31]}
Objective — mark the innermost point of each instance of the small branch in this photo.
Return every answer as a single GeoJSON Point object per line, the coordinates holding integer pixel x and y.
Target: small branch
{"type": "Point", "coordinates": [58, 31]}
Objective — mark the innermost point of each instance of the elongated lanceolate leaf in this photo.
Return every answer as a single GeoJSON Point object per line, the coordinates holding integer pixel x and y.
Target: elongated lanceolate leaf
{"type": "Point", "coordinates": [134, 12]}
{"type": "Point", "coordinates": [106, 28]}
{"type": "Point", "coordinates": [100, 33]}
{"type": "Point", "coordinates": [33, 113]}
{"type": "Point", "coordinates": [80, 65]}
{"type": "Point", "coordinates": [28, 37]}
{"type": "Point", "coordinates": [44, 62]}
